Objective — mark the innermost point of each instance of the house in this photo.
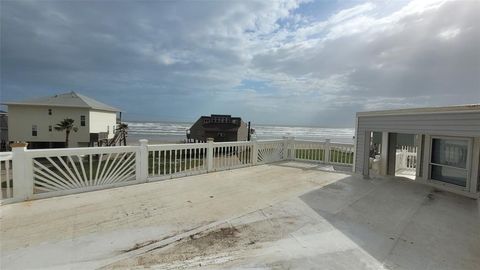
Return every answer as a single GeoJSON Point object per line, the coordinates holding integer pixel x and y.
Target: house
{"type": "Point", "coordinates": [34, 120]}
{"type": "Point", "coordinates": [220, 127]}
{"type": "Point", "coordinates": [446, 143]}
{"type": "Point", "coordinates": [3, 131]}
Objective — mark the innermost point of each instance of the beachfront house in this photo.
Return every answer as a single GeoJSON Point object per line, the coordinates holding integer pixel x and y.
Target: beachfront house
{"type": "Point", "coordinates": [34, 120]}
{"type": "Point", "coordinates": [220, 127]}
{"type": "Point", "coordinates": [436, 146]}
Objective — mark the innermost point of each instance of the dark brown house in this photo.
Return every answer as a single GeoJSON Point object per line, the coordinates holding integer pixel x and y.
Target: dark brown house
{"type": "Point", "coordinates": [220, 127]}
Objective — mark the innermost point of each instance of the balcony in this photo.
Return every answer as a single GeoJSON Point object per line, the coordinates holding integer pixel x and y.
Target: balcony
{"type": "Point", "coordinates": [296, 210]}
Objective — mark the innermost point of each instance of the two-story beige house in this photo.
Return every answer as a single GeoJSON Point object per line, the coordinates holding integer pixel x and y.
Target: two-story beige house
{"type": "Point", "coordinates": [34, 120]}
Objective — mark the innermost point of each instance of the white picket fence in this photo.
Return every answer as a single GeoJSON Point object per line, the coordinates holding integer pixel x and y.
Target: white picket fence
{"type": "Point", "coordinates": [32, 174]}
{"type": "Point", "coordinates": [406, 158]}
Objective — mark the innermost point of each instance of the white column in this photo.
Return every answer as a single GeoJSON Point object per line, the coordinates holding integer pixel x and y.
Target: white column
{"type": "Point", "coordinates": [22, 172]}
{"type": "Point", "coordinates": [142, 161]}
{"type": "Point", "coordinates": [291, 147]}
{"type": "Point", "coordinates": [210, 154]}
{"type": "Point", "coordinates": [327, 151]}
{"type": "Point", "coordinates": [475, 166]}
{"type": "Point", "coordinates": [254, 151]}
{"type": "Point", "coordinates": [384, 154]}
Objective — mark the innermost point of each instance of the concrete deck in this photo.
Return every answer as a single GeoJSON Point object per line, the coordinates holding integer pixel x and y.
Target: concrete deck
{"type": "Point", "coordinates": [283, 216]}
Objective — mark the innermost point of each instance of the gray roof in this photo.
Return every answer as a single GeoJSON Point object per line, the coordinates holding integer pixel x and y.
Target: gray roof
{"type": "Point", "coordinates": [70, 99]}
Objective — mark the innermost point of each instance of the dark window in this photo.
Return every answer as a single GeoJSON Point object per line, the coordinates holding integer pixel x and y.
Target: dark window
{"type": "Point", "coordinates": [34, 130]}
{"type": "Point", "coordinates": [49, 111]}
{"type": "Point", "coordinates": [50, 128]}
{"type": "Point", "coordinates": [82, 120]}
{"type": "Point", "coordinates": [206, 121]}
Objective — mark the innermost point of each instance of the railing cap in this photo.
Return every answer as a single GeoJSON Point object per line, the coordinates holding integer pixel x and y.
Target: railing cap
{"type": "Point", "coordinates": [18, 144]}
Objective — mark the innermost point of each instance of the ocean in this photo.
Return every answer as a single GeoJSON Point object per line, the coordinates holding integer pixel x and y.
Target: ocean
{"type": "Point", "coordinates": [174, 132]}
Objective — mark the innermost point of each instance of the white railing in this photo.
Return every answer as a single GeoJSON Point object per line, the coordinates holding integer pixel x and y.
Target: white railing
{"type": "Point", "coordinates": [32, 174]}
{"type": "Point", "coordinates": [169, 161]}
{"type": "Point", "coordinates": [341, 154]}
{"type": "Point", "coordinates": [231, 155]}
{"type": "Point", "coordinates": [324, 152]}
{"type": "Point", "coordinates": [58, 171]}
{"type": "Point", "coordinates": [270, 151]}
{"type": "Point", "coordinates": [6, 181]}
{"type": "Point", "coordinates": [406, 158]}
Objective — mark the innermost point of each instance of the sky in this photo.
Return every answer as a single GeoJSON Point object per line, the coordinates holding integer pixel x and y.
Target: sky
{"type": "Point", "coordinates": [273, 62]}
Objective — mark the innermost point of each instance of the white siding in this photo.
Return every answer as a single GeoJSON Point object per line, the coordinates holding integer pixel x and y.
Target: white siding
{"type": "Point", "coordinates": [102, 121]}
{"type": "Point", "coordinates": [465, 124]}
{"type": "Point", "coordinates": [21, 119]}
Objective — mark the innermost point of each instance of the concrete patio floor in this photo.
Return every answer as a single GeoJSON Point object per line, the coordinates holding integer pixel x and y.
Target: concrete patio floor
{"type": "Point", "coordinates": [280, 216]}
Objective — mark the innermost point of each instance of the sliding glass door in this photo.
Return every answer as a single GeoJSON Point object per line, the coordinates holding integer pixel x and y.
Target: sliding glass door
{"type": "Point", "coordinates": [449, 160]}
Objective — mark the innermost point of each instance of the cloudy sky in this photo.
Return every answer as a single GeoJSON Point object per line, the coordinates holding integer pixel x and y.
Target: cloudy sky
{"type": "Point", "coordinates": [280, 62]}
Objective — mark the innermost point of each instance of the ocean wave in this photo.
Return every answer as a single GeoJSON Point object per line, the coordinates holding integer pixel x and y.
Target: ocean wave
{"type": "Point", "coordinates": [261, 131]}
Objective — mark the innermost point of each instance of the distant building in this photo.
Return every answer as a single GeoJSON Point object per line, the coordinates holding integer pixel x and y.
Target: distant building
{"type": "Point", "coordinates": [34, 121]}
{"type": "Point", "coordinates": [3, 131]}
{"type": "Point", "coordinates": [220, 127]}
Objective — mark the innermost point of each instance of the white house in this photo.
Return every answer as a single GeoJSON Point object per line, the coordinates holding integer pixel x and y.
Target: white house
{"type": "Point", "coordinates": [34, 120]}
{"type": "Point", "coordinates": [447, 139]}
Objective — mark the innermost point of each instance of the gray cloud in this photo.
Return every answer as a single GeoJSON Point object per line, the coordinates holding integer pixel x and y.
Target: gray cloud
{"type": "Point", "coordinates": [175, 60]}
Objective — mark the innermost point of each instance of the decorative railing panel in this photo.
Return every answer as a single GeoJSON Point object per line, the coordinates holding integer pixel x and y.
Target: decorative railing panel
{"type": "Point", "coordinates": [84, 168]}
{"type": "Point", "coordinates": [270, 151]}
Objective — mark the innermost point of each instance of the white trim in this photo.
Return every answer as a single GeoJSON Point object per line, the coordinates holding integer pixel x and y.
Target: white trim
{"type": "Point", "coordinates": [472, 108]}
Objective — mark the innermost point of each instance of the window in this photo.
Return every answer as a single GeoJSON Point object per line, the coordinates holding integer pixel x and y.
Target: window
{"type": "Point", "coordinates": [449, 161]}
{"type": "Point", "coordinates": [49, 111]}
{"type": "Point", "coordinates": [82, 120]}
{"type": "Point", "coordinates": [206, 121]}
{"type": "Point", "coordinates": [50, 128]}
{"type": "Point", "coordinates": [34, 130]}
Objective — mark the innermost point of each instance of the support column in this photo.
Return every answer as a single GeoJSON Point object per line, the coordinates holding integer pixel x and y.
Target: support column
{"type": "Point", "coordinates": [475, 166]}
{"type": "Point", "coordinates": [142, 161]}
{"type": "Point", "coordinates": [22, 172]}
{"type": "Point", "coordinates": [384, 153]}
{"type": "Point", "coordinates": [210, 149]}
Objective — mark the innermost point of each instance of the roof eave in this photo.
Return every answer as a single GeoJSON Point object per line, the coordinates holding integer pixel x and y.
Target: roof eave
{"type": "Point", "coordinates": [470, 108]}
{"type": "Point", "coordinates": [113, 109]}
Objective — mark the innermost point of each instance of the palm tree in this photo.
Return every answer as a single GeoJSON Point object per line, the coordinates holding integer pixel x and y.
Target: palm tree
{"type": "Point", "coordinates": [67, 125]}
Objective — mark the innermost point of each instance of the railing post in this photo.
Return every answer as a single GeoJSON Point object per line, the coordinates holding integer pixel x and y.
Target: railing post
{"type": "Point", "coordinates": [254, 151]}
{"type": "Point", "coordinates": [210, 149]}
{"type": "Point", "coordinates": [327, 151]}
{"type": "Point", "coordinates": [292, 148]}
{"type": "Point", "coordinates": [287, 147]}
{"type": "Point", "coordinates": [22, 172]}
{"type": "Point", "coordinates": [142, 161]}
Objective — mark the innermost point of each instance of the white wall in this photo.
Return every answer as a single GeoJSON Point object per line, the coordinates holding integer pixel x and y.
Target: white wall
{"type": "Point", "coordinates": [21, 118]}
{"type": "Point", "coordinates": [101, 121]}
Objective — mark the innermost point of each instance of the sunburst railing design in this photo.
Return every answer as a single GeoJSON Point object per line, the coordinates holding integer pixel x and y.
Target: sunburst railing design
{"type": "Point", "coordinates": [270, 151]}
{"type": "Point", "coordinates": [67, 172]}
